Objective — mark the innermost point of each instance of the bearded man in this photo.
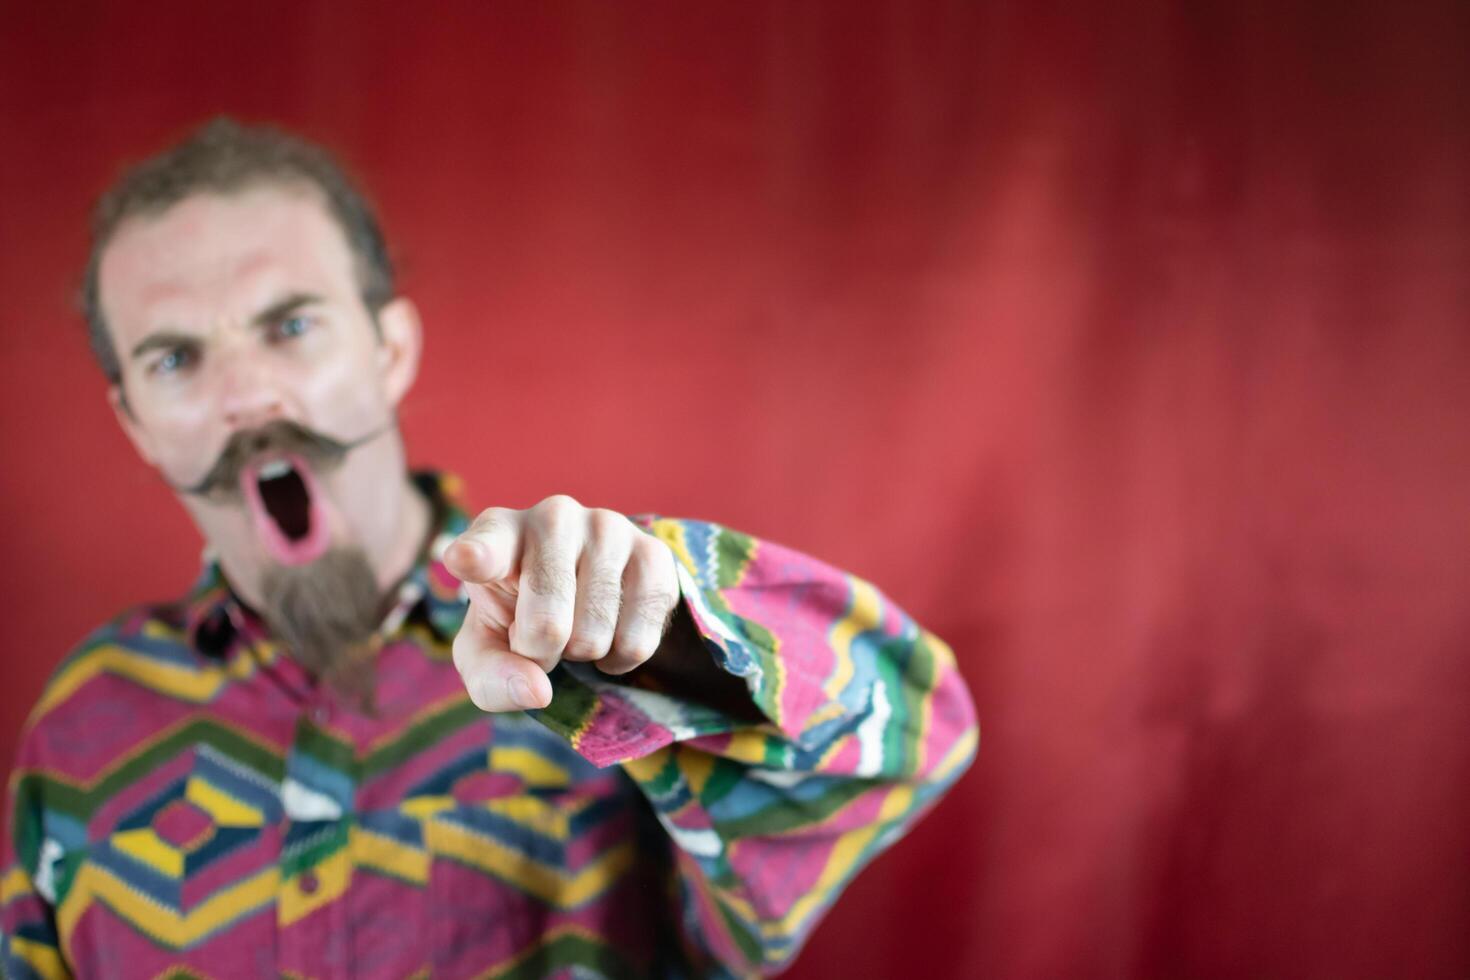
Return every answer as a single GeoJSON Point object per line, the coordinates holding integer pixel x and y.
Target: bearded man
{"type": "Point", "coordinates": [381, 739]}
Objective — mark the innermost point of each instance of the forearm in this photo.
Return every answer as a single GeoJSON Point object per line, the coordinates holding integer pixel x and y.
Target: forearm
{"type": "Point", "coordinates": [792, 725]}
{"type": "Point", "coordinates": [684, 668]}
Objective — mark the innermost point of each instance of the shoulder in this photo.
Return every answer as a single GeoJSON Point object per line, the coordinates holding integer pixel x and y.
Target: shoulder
{"type": "Point", "coordinates": [145, 653]}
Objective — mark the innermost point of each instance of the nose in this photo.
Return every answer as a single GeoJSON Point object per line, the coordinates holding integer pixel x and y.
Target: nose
{"type": "Point", "coordinates": [249, 396]}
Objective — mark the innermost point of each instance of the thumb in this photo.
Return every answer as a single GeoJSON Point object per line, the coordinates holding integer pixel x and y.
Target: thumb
{"type": "Point", "coordinates": [508, 682]}
{"type": "Point", "coordinates": [496, 678]}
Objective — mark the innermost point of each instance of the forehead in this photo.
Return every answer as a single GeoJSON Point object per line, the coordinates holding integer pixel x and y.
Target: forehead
{"type": "Point", "coordinates": [221, 255]}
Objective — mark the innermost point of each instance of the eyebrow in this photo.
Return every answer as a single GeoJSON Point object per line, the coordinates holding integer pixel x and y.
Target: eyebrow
{"type": "Point", "coordinates": [164, 338]}
{"type": "Point", "coordinates": [283, 308]}
{"type": "Point", "coordinates": [277, 311]}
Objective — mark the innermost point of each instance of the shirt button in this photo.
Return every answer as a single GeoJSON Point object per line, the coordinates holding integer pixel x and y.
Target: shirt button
{"type": "Point", "coordinates": [321, 714]}
{"type": "Point", "coordinates": [307, 882]}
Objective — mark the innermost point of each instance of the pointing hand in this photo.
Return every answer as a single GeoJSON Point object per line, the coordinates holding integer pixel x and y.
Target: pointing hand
{"type": "Point", "coordinates": [557, 581]}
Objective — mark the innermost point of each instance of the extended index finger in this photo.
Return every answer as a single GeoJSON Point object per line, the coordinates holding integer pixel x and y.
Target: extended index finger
{"type": "Point", "coordinates": [489, 550]}
{"type": "Point", "coordinates": [555, 533]}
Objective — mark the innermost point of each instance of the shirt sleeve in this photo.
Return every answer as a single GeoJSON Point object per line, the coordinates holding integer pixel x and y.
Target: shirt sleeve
{"type": "Point", "coordinates": [28, 937]}
{"type": "Point", "coordinates": [866, 723]}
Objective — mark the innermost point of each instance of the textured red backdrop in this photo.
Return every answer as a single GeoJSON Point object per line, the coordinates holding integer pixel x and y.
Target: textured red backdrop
{"type": "Point", "coordinates": [1128, 351]}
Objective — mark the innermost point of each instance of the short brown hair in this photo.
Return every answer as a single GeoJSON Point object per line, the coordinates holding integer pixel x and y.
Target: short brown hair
{"type": "Point", "coordinates": [223, 157]}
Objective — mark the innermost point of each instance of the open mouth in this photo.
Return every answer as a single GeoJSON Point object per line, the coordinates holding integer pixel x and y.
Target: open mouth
{"type": "Point", "coordinates": [285, 497]}
{"type": "Point", "coordinates": [284, 502]}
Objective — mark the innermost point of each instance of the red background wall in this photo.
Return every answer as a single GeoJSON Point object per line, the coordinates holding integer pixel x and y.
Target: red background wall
{"type": "Point", "coordinates": [1128, 351]}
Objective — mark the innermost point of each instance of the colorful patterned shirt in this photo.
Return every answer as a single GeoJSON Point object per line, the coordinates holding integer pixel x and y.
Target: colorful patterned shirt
{"type": "Point", "coordinates": [189, 802]}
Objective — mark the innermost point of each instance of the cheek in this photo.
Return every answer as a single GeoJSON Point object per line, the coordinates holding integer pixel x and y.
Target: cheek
{"type": "Point", "coordinates": [181, 438]}
{"type": "Point", "coordinates": [344, 394]}
{"type": "Point", "coordinates": [222, 525]}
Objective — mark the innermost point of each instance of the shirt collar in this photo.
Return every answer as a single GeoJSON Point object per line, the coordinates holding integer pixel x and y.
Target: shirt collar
{"type": "Point", "coordinates": [429, 593]}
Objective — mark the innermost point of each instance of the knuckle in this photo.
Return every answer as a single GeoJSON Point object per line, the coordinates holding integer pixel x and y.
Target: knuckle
{"type": "Point", "coordinates": [629, 657]}
{"type": "Point", "coordinates": [586, 645]}
{"type": "Point", "coordinates": [644, 547]}
{"type": "Point", "coordinates": [549, 629]}
{"type": "Point", "coordinates": [604, 523]}
{"type": "Point", "coordinates": [490, 520]}
{"type": "Point", "coordinates": [602, 598]}
{"type": "Point", "coordinates": [650, 547]}
{"type": "Point", "coordinates": [548, 575]}
{"type": "Point", "coordinates": [654, 606]}
{"type": "Point", "coordinates": [654, 557]}
{"type": "Point", "coordinates": [597, 623]}
{"type": "Point", "coordinates": [640, 652]}
{"type": "Point", "coordinates": [556, 511]}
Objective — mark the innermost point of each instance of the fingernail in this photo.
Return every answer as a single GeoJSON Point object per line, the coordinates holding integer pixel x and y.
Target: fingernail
{"type": "Point", "coordinates": [520, 691]}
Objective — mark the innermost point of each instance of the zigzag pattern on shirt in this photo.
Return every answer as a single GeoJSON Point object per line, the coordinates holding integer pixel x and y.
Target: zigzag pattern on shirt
{"type": "Point", "coordinates": [188, 794]}
{"type": "Point", "coordinates": [210, 844]}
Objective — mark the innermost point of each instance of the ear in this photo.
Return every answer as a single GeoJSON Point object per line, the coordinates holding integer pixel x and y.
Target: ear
{"type": "Point", "coordinates": [137, 435]}
{"type": "Point", "coordinates": [402, 343]}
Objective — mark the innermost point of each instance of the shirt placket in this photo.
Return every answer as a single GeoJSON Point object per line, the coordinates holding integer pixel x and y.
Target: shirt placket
{"type": "Point", "coordinates": [313, 931]}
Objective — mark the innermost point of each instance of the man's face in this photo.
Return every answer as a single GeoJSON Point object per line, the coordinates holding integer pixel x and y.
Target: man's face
{"type": "Point", "coordinates": [240, 314]}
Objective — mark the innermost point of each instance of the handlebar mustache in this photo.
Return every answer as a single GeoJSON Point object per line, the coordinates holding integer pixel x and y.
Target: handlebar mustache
{"type": "Point", "coordinates": [320, 450]}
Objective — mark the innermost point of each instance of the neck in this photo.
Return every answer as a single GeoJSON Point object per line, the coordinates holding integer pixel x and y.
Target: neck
{"type": "Point", "coordinates": [415, 517]}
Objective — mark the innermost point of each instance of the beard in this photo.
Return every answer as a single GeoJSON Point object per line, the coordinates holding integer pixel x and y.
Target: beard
{"type": "Point", "coordinates": [327, 613]}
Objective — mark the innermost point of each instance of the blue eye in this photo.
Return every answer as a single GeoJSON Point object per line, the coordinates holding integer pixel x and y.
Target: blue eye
{"type": "Point", "coordinates": [175, 360]}
{"type": "Point", "coordinates": [292, 326]}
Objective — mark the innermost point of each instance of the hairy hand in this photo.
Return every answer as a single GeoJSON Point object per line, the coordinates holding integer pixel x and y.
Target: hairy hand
{"type": "Point", "coordinates": [556, 581]}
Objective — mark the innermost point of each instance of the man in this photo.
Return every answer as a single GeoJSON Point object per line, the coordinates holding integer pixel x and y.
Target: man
{"type": "Point", "coordinates": [379, 739]}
